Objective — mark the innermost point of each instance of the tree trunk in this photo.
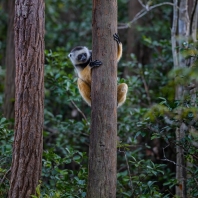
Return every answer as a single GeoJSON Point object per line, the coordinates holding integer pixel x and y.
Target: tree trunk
{"type": "Point", "coordinates": [133, 37]}
{"type": "Point", "coordinates": [183, 31]}
{"type": "Point", "coordinates": [10, 65]}
{"type": "Point", "coordinates": [29, 48]}
{"type": "Point", "coordinates": [103, 137]}
{"type": "Point", "coordinates": [193, 33]}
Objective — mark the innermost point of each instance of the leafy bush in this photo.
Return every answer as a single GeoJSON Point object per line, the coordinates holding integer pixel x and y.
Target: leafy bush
{"type": "Point", "coordinates": [6, 141]}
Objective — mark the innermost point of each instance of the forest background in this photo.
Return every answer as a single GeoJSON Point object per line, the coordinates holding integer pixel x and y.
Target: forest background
{"type": "Point", "coordinates": [148, 123]}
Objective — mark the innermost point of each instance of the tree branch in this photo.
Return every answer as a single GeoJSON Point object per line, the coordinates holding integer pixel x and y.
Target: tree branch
{"type": "Point", "coordinates": [83, 115]}
{"type": "Point", "coordinates": [145, 10]}
{"type": "Point", "coordinates": [128, 169]}
{"type": "Point", "coordinates": [5, 175]}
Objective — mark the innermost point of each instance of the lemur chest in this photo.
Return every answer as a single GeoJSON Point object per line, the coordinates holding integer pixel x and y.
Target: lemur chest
{"type": "Point", "coordinates": [85, 75]}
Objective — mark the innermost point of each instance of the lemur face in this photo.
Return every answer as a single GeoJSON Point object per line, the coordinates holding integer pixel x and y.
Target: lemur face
{"type": "Point", "coordinates": [82, 57]}
{"type": "Point", "coordinates": [79, 55]}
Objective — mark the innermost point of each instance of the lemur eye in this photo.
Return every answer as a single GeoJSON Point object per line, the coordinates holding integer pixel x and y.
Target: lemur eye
{"type": "Point", "coordinates": [80, 56]}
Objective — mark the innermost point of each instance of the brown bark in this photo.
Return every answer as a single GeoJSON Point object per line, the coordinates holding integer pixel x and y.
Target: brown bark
{"type": "Point", "coordinates": [103, 137]}
{"type": "Point", "coordinates": [29, 48]}
{"type": "Point", "coordinates": [10, 65]}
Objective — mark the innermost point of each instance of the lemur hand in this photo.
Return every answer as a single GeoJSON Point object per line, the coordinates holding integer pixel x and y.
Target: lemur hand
{"type": "Point", "coordinates": [95, 63]}
{"type": "Point", "coordinates": [116, 38]}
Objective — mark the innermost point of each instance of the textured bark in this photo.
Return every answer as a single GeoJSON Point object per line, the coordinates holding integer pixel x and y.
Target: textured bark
{"type": "Point", "coordinates": [181, 175]}
{"type": "Point", "coordinates": [173, 34]}
{"type": "Point", "coordinates": [29, 48]}
{"type": "Point", "coordinates": [103, 137]}
{"type": "Point", "coordinates": [193, 19]}
{"type": "Point", "coordinates": [193, 33]}
{"type": "Point", "coordinates": [183, 30]}
{"type": "Point", "coordinates": [10, 65]}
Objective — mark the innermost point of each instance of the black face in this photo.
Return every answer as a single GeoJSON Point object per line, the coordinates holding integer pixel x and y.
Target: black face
{"type": "Point", "coordinates": [82, 57]}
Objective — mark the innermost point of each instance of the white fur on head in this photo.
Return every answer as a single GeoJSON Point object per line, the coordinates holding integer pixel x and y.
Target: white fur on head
{"type": "Point", "coordinates": [76, 51]}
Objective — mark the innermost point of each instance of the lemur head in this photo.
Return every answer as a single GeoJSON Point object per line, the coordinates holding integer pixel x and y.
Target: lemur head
{"type": "Point", "coordinates": [80, 56]}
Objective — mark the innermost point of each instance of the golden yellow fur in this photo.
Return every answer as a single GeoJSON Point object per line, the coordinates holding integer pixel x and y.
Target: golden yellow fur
{"type": "Point", "coordinates": [84, 83]}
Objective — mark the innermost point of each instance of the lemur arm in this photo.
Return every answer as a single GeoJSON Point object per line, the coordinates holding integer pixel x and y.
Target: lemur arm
{"type": "Point", "coordinates": [119, 52]}
{"type": "Point", "coordinates": [85, 91]}
{"type": "Point", "coordinates": [97, 63]}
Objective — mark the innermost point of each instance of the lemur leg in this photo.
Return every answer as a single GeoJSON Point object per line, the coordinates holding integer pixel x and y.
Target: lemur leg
{"type": "Point", "coordinates": [85, 91]}
{"type": "Point", "coordinates": [122, 92]}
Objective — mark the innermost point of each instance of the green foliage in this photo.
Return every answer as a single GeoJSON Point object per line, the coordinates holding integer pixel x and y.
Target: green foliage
{"type": "Point", "coordinates": [59, 77]}
{"type": "Point", "coordinates": [61, 93]}
{"type": "Point", "coordinates": [3, 31]}
{"type": "Point", "coordinates": [141, 179]}
{"type": "Point", "coordinates": [5, 155]}
{"type": "Point", "coordinates": [38, 191]}
{"type": "Point", "coordinates": [2, 76]}
{"type": "Point", "coordinates": [66, 25]}
{"type": "Point", "coordinates": [146, 122]}
{"type": "Point", "coordinates": [167, 116]}
{"type": "Point", "coordinates": [61, 181]}
{"type": "Point", "coordinates": [64, 160]}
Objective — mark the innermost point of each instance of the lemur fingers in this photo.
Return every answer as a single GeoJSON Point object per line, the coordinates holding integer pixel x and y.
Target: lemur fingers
{"type": "Point", "coordinates": [117, 38]}
{"type": "Point", "coordinates": [95, 63]}
{"type": "Point", "coordinates": [119, 44]}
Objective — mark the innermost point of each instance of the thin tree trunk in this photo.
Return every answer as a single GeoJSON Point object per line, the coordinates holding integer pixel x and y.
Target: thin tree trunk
{"type": "Point", "coordinates": [103, 137]}
{"type": "Point", "coordinates": [183, 31]}
{"type": "Point", "coordinates": [193, 34]}
{"type": "Point", "coordinates": [10, 65]}
{"type": "Point", "coordinates": [193, 88]}
{"type": "Point", "coordinates": [133, 38]}
{"type": "Point", "coordinates": [194, 20]}
{"type": "Point", "coordinates": [29, 48]}
{"type": "Point", "coordinates": [173, 34]}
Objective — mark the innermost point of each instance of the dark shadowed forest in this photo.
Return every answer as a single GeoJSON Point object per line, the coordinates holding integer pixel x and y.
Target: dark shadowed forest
{"type": "Point", "coordinates": [157, 130]}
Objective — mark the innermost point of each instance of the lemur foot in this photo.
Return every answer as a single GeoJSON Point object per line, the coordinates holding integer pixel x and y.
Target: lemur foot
{"type": "Point", "coordinates": [116, 38]}
{"type": "Point", "coordinates": [95, 63]}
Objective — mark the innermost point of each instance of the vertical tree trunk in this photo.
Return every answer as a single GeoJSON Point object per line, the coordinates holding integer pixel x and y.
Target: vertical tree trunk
{"type": "Point", "coordinates": [193, 33]}
{"type": "Point", "coordinates": [29, 48]}
{"type": "Point", "coordinates": [103, 137]}
{"type": "Point", "coordinates": [10, 65]}
{"type": "Point", "coordinates": [193, 7]}
{"type": "Point", "coordinates": [133, 42]}
{"type": "Point", "coordinates": [183, 31]}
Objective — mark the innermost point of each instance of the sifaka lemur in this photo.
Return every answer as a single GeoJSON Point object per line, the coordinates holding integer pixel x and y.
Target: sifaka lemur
{"type": "Point", "coordinates": [81, 58]}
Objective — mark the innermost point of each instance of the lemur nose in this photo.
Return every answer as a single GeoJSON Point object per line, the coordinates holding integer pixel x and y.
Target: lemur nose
{"type": "Point", "coordinates": [69, 55]}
